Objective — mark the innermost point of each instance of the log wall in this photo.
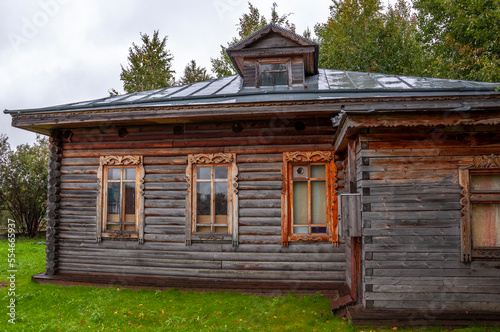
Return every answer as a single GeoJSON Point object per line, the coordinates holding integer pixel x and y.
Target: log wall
{"type": "Point", "coordinates": [411, 215]}
{"type": "Point", "coordinates": [258, 149]}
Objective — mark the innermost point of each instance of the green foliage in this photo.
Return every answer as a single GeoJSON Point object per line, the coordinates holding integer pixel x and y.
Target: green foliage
{"type": "Point", "coordinates": [462, 38]}
{"type": "Point", "coordinates": [149, 65]}
{"type": "Point", "coordinates": [193, 74]}
{"type": "Point", "coordinates": [23, 184]}
{"type": "Point", "coordinates": [112, 92]}
{"type": "Point", "coordinates": [359, 36]}
{"type": "Point", "coordinates": [249, 23]}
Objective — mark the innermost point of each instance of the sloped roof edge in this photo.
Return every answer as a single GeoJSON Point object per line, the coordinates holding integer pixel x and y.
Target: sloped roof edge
{"type": "Point", "coordinates": [328, 84]}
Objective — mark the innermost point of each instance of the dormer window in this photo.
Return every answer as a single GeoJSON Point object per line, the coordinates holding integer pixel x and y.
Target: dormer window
{"type": "Point", "coordinates": [274, 56]}
{"type": "Point", "coordinates": [273, 74]}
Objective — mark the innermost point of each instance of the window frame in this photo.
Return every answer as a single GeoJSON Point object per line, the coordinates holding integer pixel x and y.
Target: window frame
{"type": "Point", "coordinates": [216, 159]}
{"type": "Point", "coordinates": [128, 161]}
{"type": "Point", "coordinates": [291, 159]}
{"type": "Point", "coordinates": [285, 61]}
{"type": "Point", "coordinates": [487, 165]}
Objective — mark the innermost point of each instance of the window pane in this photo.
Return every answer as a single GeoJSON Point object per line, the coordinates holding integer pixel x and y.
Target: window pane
{"type": "Point", "coordinates": [318, 171]}
{"type": "Point", "coordinates": [280, 78]}
{"type": "Point", "coordinates": [300, 213]}
{"type": "Point", "coordinates": [301, 230]}
{"type": "Point", "coordinates": [220, 221]}
{"type": "Point", "coordinates": [220, 172]}
{"type": "Point", "coordinates": [129, 200]}
{"type": "Point", "coordinates": [113, 201]}
{"type": "Point", "coordinates": [114, 173]}
{"type": "Point", "coordinates": [485, 182]}
{"type": "Point", "coordinates": [203, 198]}
{"type": "Point", "coordinates": [203, 172]}
{"type": "Point", "coordinates": [221, 198]}
{"type": "Point", "coordinates": [273, 66]}
{"type": "Point", "coordinates": [129, 173]}
{"type": "Point", "coordinates": [485, 222]}
{"type": "Point", "coordinates": [266, 79]}
{"type": "Point", "coordinates": [318, 229]}
{"type": "Point", "coordinates": [318, 202]}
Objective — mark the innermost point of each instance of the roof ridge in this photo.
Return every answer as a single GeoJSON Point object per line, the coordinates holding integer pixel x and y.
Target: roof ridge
{"type": "Point", "coordinates": [283, 29]}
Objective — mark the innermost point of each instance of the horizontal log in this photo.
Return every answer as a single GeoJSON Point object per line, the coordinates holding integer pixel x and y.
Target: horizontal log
{"type": "Point", "coordinates": [414, 231]}
{"type": "Point", "coordinates": [260, 167]}
{"type": "Point", "coordinates": [420, 215]}
{"type": "Point", "coordinates": [260, 212]}
{"type": "Point", "coordinates": [168, 212]}
{"type": "Point", "coordinates": [79, 169]}
{"type": "Point", "coordinates": [259, 221]}
{"type": "Point", "coordinates": [163, 152]}
{"type": "Point", "coordinates": [164, 203]}
{"type": "Point", "coordinates": [80, 161]}
{"type": "Point", "coordinates": [408, 206]}
{"type": "Point", "coordinates": [411, 198]}
{"type": "Point", "coordinates": [244, 194]}
{"type": "Point", "coordinates": [453, 288]}
{"type": "Point", "coordinates": [169, 186]}
{"type": "Point", "coordinates": [413, 223]}
{"type": "Point", "coordinates": [259, 203]}
{"type": "Point", "coordinates": [284, 266]}
{"type": "Point", "coordinates": [260, 230]}
{"type": "Point", "coordinates": [163, 220]}
{"type": "Point", "coordinates": [307, 276]}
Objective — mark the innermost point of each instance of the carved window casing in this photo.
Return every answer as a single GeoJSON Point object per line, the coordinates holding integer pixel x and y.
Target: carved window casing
{"type": "Point", "coordinates": [309, 209]}
{"type": "Point", "coordinates": [480, 200]}
{"type": "Point", "coordinates": [212, 200]}
{"type": "Point", "coordinates": [120, 207]}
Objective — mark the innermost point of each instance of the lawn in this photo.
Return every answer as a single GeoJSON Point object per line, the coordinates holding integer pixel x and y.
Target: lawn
{"type": "Point", "coordinates": [59, 308]}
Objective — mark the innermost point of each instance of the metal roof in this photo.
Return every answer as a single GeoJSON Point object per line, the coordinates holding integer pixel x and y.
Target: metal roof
{"type": "Point", "coordinates": [328, 84]}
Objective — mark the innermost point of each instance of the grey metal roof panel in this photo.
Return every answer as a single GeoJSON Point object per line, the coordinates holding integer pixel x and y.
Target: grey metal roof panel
{"type": "Point", "coordinates": [328, 84]}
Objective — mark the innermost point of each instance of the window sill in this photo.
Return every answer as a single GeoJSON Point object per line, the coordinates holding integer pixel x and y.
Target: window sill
{"type": "Point", "coordinates": [309, 238]}
{"type": "Point", "coordinates": [486, 253]}
{"type": "Point", "coordinates": [211, 237]}
{"type": "Point", "coordinates": [120, 236]}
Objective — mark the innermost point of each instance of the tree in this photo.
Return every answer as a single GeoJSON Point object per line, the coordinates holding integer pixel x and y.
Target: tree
{"type": "Point", "coordinates": [149, 65]}
{"type": "Point", "coordinates": [462, 38]}
{"type": "Point", "coordinates": [193, 74]}
{"type": "Point", "coordinates": [23, 184]}
{"type": "Point", "coordinates": [359, 36]}
{"type": "Point", "coordinates": [249, 23]}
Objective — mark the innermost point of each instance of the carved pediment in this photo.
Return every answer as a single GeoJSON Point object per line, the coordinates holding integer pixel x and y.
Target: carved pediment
{"type": "Point", "coordinates": [121, 160]}
{"type": "Point", "coordinates": [309, 156]}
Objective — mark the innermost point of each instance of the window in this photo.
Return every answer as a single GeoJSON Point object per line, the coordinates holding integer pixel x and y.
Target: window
{"type": "Point", "coordinates": [309, 201]}
{"type": "Point", "coordinates": [273, 74]}
{"type": "Point", "coordinates": [212, 206]}
{"type": "Point", "coordinates": [480, 202]}
{"type": "Point", "coordinates": [120, 209]}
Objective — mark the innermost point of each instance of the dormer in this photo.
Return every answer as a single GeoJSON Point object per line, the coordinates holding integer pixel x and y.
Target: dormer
{"type": "Point", "coordinates": [274, 56]}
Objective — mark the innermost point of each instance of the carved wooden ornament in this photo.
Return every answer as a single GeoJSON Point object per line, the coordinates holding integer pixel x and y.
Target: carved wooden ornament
{"type": "Point", "coordinates": [321, 157]}
{"type": "Point", "coordinates": [478, 163]}
{"type": "Point", "coordinates": [121, 160]}
{"type": "Point", "coordinates": [127, 160]}
{"type": "Point", "coordinates": [233, 210]}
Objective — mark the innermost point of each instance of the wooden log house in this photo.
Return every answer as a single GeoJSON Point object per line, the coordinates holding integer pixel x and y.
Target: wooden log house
{"type": "Point", "coordinates": [284, 176]}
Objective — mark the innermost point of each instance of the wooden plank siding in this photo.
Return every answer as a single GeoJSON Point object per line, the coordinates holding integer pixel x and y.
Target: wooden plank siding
{"type": "Point", "coordinates": [411, 219]}
{"type": "Point", "coordinates": [258, 150]}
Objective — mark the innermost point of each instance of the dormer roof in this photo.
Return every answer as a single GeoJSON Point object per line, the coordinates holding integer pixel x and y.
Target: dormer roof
{"type": "Point", "coordinates": [275, 41]}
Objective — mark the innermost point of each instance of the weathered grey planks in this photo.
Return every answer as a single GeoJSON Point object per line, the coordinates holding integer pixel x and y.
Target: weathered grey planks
{"type": "Point", "coordinates": [411, 219]}
{"type": "Point", "coordinates": [259, 156]}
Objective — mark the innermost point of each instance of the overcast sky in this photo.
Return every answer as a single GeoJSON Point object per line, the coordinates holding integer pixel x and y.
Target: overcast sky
{"type": "Point", "coordinates": [60, 51]}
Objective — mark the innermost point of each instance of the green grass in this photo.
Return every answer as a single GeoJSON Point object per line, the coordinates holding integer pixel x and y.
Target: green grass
{"type": "Point", "coordinates": [58, 308]}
